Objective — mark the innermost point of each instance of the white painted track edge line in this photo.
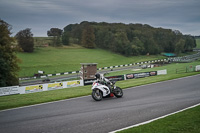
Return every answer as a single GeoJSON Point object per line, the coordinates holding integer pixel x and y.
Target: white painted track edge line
{"type": "Point", "coordinates": [149, 121]}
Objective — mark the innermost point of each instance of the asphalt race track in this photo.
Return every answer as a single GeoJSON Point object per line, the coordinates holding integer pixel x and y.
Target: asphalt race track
{"type": "Point", "coordinates": [84, 115]}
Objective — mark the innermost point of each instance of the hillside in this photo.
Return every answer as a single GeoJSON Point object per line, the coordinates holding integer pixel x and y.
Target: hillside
{"type": "Point", "coordinates": [66, 59]}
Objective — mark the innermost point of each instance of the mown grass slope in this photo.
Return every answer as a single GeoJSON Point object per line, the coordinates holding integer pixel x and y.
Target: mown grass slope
{"type": "Point", "coordinates": [66, 59]}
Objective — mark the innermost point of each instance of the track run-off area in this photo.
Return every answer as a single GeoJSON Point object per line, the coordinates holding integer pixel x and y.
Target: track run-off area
{"type": "Point", "coordinates": [83, 114]}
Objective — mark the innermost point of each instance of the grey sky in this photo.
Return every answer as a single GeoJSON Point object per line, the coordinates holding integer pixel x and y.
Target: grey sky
{"type": "Point", "coordinates": [41, 15]}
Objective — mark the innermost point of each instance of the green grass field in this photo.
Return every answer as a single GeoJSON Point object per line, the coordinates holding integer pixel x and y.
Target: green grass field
{"type": "Point", "coordinates": [65, 59]}
{"type": "Point", "coordinates": [187, 121]}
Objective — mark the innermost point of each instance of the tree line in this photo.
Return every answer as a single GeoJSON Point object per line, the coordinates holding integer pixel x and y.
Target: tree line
{"type": "Point", "coordinates": [126, 39]}
{"type": "Point", "coordinates": [129, 39]}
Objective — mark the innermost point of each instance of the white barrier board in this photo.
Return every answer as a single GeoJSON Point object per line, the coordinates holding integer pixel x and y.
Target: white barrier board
{"type": "Point", "coordinates": [9, 90]}
{"type": "Point", "coordinates": [197, 68]}
{"type": "Point", "coordinates": [160, 72]}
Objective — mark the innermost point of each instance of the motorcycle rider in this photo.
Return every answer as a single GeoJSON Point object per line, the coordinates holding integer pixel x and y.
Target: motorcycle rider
{"type": "Point", "coordinates": [102, 80]}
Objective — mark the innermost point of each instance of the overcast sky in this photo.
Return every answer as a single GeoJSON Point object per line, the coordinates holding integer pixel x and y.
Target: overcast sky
{"type": "Point", "coordinates": [41, 15]}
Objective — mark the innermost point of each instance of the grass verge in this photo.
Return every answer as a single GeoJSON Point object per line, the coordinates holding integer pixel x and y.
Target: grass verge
{"type": "Point", "coordinates": [187, 121]}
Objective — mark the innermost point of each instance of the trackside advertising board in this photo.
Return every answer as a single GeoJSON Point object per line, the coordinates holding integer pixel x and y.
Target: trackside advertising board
{"type": "Point", "coordinates": [89, 81]}
{"type": "Point", "coordinates": [74, 83]}
{"type": "Point", "coordinates": [116, 78]}
{"type": "Point", "coordinates": [34, 88]}
{"type": "Point", "coordinates": [55, 86]}
{"type": "Point", "coordinates": [39, 88]}
{"type": "Point", "coordinates": [9, 90]}
{"type": "Point", "coordinates": [140, 75]}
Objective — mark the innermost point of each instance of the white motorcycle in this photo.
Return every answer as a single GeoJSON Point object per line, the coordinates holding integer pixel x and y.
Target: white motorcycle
{"type": "Point", "coordinates": [101, 90]}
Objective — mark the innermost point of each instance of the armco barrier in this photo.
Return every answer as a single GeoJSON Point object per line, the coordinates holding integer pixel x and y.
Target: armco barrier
{"type": "Point", "coordinates": [39, 88]}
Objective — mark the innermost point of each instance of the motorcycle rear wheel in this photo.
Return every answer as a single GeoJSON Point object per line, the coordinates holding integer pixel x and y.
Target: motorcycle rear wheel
{"type": "Point", "coordinates": [97, 95]}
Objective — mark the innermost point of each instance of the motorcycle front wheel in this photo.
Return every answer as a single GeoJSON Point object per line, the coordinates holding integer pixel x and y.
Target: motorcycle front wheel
{"type": "Point", "coordinates": [97, 95]}
{"type": "Point", "coordinates": [118, 92]}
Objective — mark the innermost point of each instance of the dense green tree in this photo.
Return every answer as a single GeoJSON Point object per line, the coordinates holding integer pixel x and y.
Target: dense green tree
{"type": "Point", "coordinates": [56, 34]}
{"type": "Point", "coordinates": [151, 47]}
{"type": "Point", "coordinates": [131, 39]}
{"type": "Point", "coordinates": [104, 38]}
{"type": "Point", "coordinates": [189, 43]}
{"type": "Point", "coordinates": [65, 38]}
{"type": "Point", "coordinates": [137, 46]}
{"type": "Point", "coordinates": [122, 44]}
{"type": "Point", "coordinates": [179, 47]}
{"type": "Point", "coordinates": [8, 59]}
{"type": "Point", "coordinates": [25, 40]}
{"type": "Point", "coordinates": [88, 37]}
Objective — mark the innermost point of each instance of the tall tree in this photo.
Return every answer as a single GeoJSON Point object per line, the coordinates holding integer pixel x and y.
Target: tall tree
{"type": "Point", "coordinates": [137, 47]}
{"type": "Point", "coordinates": [8, 59]}
{"type": "Point", "coordinates": [56, 33]}
{"type": "Point", "coordinates": [189, 43]}
{"type": "Point", "coordinates": [88, 37]}
{"type": "Point", "coordinates": [65, 38]}
{"type": "Point", "coordinates": [179, 47]}
{"type": "Point", "coordinates": [25, 40]}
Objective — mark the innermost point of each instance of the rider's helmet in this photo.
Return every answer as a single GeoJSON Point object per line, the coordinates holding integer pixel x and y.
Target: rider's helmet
{"type": "Point", "coordinates": [97, 75]}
